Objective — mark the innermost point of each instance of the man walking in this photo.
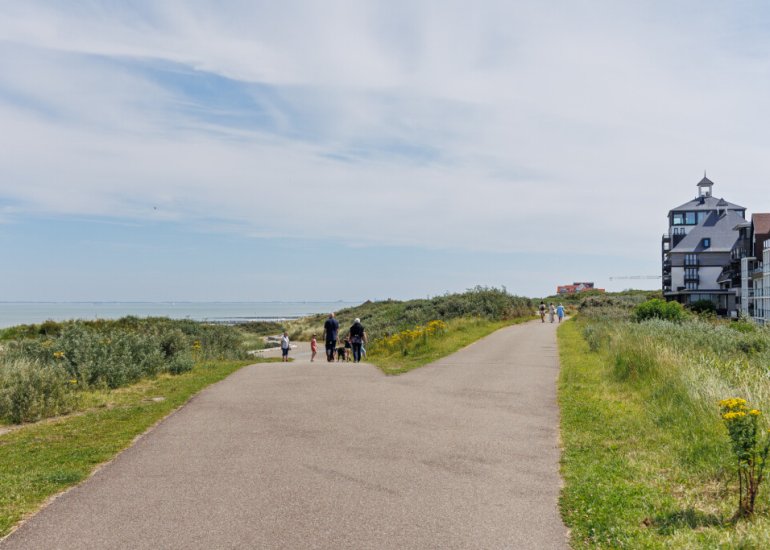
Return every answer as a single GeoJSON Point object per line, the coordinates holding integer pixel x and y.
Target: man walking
{"type": "Point", "coordinates": [331, 327]}
{"type": "Point", "coordinates": [357, 337]}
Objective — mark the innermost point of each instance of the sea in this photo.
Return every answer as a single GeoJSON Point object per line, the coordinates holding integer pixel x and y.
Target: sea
{"type": "Point", "coordinates": [18, 313]}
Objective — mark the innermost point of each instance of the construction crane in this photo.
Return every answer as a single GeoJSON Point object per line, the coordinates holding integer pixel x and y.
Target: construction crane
{"type": "Point", "coordinates": [619, 277]}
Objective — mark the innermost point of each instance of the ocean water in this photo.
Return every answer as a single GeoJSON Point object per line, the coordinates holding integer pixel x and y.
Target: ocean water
{"type": "Point", "coordinates": [17, 313]}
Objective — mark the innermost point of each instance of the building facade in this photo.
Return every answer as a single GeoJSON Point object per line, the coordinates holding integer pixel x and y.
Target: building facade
{"type": "Point", "coordinates": [755, 271]}
{"type": "Point", "coordinates": [698, 254]}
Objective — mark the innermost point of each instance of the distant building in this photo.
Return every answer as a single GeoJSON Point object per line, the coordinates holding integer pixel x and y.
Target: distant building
{"type": "Point", "coordinates": [574, 288]}
{"type": "Point", "coordinates": [702, 250]}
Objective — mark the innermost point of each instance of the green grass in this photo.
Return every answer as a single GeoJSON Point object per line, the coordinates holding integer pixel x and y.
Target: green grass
{"type": "Point", "coordinates": [40, 460]}
{"type": "Point", "coordinates": [460, 333]}
{"type": "Point", "coordinates": [646, 460]}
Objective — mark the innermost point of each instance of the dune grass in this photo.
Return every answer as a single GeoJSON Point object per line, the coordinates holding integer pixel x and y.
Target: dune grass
{"type": "Point", "coordinates": [42, 459]}
{"type": "Point", "coordinates": [647, 462]}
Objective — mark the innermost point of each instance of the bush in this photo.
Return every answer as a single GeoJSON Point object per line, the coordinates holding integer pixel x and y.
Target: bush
{"type": "Point", "coordinates": [181, 363]}
{"type": "Point", "coordinates": [703, 307]}
{"type": "Point", "coordinates": [30, 391]}
{"type": "Point", "coordinates": [659, 309]}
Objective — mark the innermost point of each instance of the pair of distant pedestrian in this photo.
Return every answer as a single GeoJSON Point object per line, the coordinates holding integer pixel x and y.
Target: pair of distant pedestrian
{"type": "Point", "coordinates": [356, 336]}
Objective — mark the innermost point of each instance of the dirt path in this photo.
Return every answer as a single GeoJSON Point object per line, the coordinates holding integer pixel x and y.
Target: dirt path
{"type": "Point", "coordinates": [459, 454]}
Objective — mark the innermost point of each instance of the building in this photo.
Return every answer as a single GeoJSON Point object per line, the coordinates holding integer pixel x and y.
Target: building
{"type": "Point", "coordinates": [575, 288]}
{"type": "Point", "coordinates": [755, 270]}
{"type": "Point", "coordinates": [697, 253]}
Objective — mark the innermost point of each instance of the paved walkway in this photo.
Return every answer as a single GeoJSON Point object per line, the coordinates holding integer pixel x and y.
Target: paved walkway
{"type": "Point", "coordinates": [459, 454]}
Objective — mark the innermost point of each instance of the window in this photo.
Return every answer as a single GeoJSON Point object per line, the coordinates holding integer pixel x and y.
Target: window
{"type": "Point", "coordinates": [706, 243]}
{"type": "Point", "coordinates": [690, 273]}
{"type": "Point", "coordinates": [679, 231]}
{"type": "Point", "coordinates": [689, 218]}
{"type": "Point", "coordinates": [690, 259]}
{"type": "Point", "coordinates": [678, 218]}
{"type": "Point", "coordinates": [691, 285]}
{"type": "Point", "coordinates": [702, 215]}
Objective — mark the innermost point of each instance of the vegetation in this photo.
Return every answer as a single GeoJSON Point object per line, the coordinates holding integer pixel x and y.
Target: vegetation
{"type": "Point", "coordinates": [659, 309]}
{"type": "Point", "coordinates": [387, 317]}
{"type": "Point", "coordinates": [648, 460]}
{"type": "Point", "coordinates": [44, 368]}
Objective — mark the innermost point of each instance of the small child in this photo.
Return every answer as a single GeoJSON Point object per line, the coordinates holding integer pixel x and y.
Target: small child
{"type": "Point", "coordinates": [313, 348]}
{"type": "Point", "coordinates": [285, 344]}
{"type": "Point", "coordinates": [348, 349]}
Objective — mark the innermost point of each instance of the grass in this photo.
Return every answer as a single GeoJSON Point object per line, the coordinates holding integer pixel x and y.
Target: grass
{"type": "Point", "coordinates": [460, 333]}
{"type": "Point", "coordinates": [646, 459]}
{"type": "Point", "coordinates": [42, 459]}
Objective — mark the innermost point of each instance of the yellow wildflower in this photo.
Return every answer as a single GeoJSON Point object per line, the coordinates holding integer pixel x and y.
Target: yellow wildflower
{"type": "Point", "coordinates": [754, 412]}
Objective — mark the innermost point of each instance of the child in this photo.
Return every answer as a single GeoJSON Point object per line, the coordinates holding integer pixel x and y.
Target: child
{"type": "Point", "coordinates": [348, 349]}
{"type": "Point", "coordinates": [313, 349]}
{"type": "Point", "coordinates": [285, 344]}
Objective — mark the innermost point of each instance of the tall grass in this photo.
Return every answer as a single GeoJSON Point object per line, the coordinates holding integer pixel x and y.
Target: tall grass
{"type": "Point", "coordinates": [49, 362]}
{"type": "Point", "coordinates": [665, 379]}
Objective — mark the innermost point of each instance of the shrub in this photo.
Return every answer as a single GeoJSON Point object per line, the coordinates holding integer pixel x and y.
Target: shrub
{"type": "Point", "coordinates": [181, 363]}
{"type": "Point", "coordinates": [659, 309]}
{"type": "Point", "coordinates": [30, 391]}
{"type": "Point", "coordinates": [703, 307]}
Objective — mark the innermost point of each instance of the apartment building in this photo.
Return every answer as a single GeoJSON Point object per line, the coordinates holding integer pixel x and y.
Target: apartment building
{"type": "Point", "coordinates": [698, 252]}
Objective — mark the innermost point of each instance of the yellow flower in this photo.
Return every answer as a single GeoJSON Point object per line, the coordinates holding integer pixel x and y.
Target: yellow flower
{"type": "Point", "coordinates": [754, 412]}
{"type": "Point", "coordinates": [58, 354]}
{"type": "Point", "coordinates": [73, 381]}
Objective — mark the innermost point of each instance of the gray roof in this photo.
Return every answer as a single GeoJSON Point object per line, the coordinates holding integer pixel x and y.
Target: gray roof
{"type": "Point", "coordinates": [720, 229]}
{"type": "Point", "coordinates": [705, 182]}
{"type": "Point", "coordinates": [709, 203]}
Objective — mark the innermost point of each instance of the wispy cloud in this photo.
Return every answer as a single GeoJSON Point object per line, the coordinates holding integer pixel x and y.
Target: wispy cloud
{"type": "Point", "coordinates": [505, 126]}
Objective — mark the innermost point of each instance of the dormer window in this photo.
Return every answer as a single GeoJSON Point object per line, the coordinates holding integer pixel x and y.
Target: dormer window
{"type": "Point", "coordinates": [706, 243]}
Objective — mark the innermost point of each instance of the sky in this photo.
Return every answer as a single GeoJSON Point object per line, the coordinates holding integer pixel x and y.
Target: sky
{"type": "Point", "coordinates": [297, 150]}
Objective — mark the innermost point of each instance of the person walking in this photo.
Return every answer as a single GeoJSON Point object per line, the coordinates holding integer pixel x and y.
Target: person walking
{"type": "Point", "coordinates": [542, 311]}
{"type": "Point", "coordinates": [285, 345]}
{"type": "Point", "coordinates": [560, 312]}
{"type": "Point", "coordinates": [357, 337]}
{"type": "Point", "coordinates": [551, 311]}
{"type": "Point", "coordinates": [331, 327]}
{"type": "Point", "coordinates": [313, 348]}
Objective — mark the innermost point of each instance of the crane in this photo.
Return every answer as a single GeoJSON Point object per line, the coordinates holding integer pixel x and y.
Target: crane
{"type": "Point", "coordinates": [619, 277]}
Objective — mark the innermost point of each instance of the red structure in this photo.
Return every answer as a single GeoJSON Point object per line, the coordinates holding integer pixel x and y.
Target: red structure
{"type": "Point", "coordinates": [574, 288]}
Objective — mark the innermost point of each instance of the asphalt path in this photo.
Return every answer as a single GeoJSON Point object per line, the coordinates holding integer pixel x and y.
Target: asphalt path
{"type": "Point", "coordinates": [462, 453]}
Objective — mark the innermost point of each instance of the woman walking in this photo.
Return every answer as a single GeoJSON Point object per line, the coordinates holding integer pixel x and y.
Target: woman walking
{"type": "Point", "coordinates": [551, 311]}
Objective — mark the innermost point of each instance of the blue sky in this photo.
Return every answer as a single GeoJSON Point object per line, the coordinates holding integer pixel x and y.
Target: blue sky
{"type": "Point", "coordinates": [185, 150]}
